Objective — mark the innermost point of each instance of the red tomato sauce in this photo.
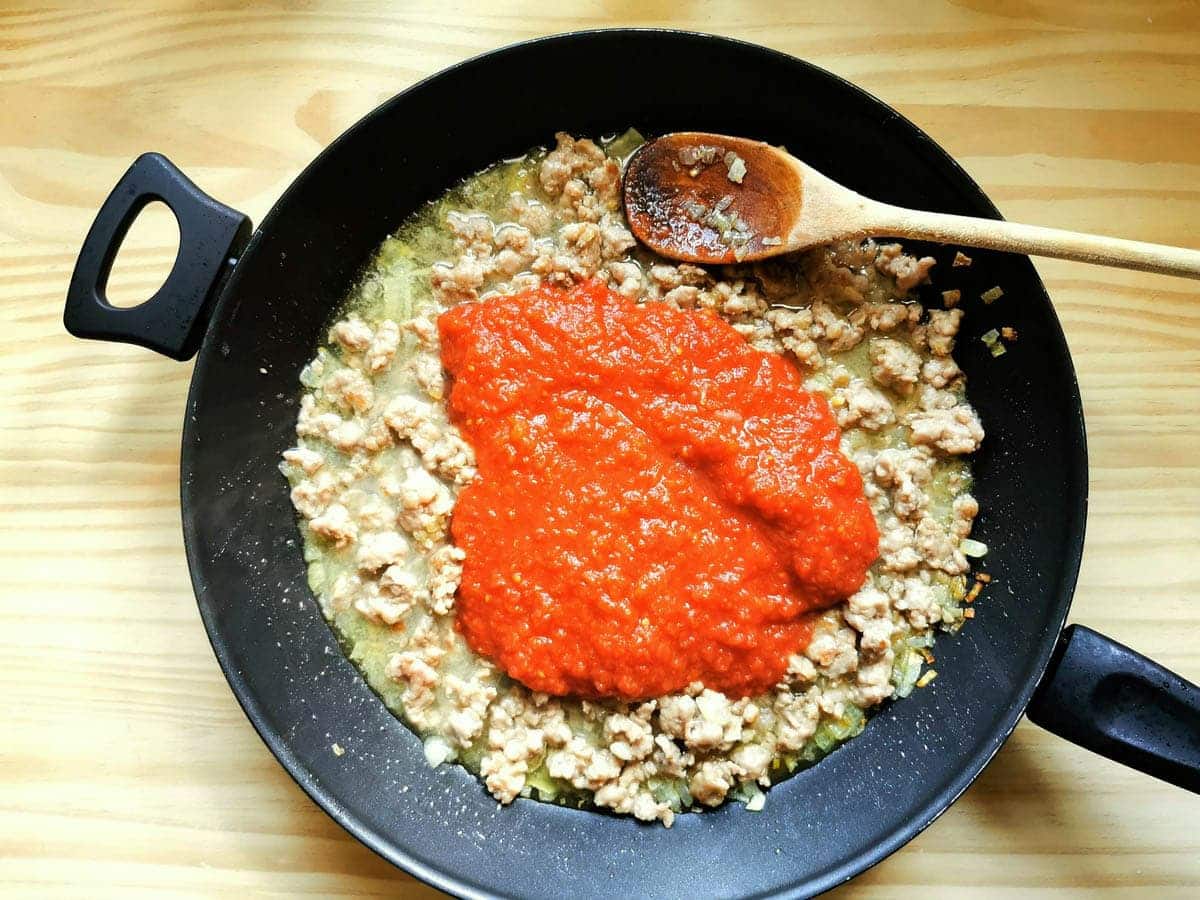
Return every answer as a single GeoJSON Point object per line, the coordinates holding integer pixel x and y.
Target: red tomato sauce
{"type": "Point", "coordinates": [657, 503]}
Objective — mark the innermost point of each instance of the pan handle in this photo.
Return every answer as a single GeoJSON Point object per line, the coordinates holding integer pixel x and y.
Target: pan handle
{"type": "Point", "coordinates": [1103, 696]}
{"type": "Point", "coordinates": [211, 236]}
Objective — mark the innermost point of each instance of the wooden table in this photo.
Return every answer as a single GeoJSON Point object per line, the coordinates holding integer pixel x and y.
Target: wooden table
{"type": "Point", "coordinates": [126, 767]}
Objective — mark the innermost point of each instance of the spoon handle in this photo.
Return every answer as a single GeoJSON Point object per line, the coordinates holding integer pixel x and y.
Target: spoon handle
{"type": "Point", "coordinates": [1035, 240]}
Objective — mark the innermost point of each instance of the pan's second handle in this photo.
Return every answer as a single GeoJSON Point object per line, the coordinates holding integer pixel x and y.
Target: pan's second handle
{"type": "Point", "coordinates": [211, 235]}
{"type": "Point", "coordinates": [1105, 697]}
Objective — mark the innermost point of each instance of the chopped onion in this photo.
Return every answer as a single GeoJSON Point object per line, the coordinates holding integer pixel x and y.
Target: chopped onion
{"type": "Point", "coordinates": [757, 802]}
{"type": "Point", "coordinates": [998, 349]}
{"type": "Point", "coordinates": [437, 750]}
{"type": "Point", "coordinates": [990, 337]}
{"type": "Point", "coordinates": [737, 170]}
{"type": "Point", "coordinates": [973, 548]}
{"type": "Point", "coordinates": [991, 295]}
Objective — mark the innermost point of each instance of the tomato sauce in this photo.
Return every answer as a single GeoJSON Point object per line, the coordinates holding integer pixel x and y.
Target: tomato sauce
{"type": "Point", "coordinates": [657, 503]}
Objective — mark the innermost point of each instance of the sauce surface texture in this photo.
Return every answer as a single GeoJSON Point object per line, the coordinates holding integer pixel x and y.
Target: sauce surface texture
{"type": "Point", "coordinates": [657, 502]}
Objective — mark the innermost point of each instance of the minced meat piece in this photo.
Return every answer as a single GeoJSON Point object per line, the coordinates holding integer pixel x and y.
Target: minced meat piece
{"type": "Point", "coordinates": [894, 365]}
{"type": "Point", "coordinates": [582, 241]}
{"type": "Point", "coordinates": [885, 317]}
{"type": "Point", "coordinates": [898, 546]}
{"type": "Point", "coordinates": [793, 327]}
{"type": "Point", "coordinates": [473, 233]}
{"type": "Point", "coordinates": [712, 782]}
{"type": "Point", "coordinates": [834, 651]}
{"type": "Point", "coordinates": [965, 508]}
{"type": "Point", "coordinates": [625, 277]}
{"type": "Point", "coordinates": [457, 283]}
{"type": "Point", "coordinates": [425, 505]}
{"type": "Point", "coordinates": [347, 436]}
{"type": "Point", "coordinates": [308, 461]}
{"type": "Point", "coordinates": [349, 390]}
{"type": "Point", "coordinates": [312, 495]}
{"type": "Point", "coordinates": [940, 372]}
{"type": "Point", "coordinates": [956, 430]}
{"type": "Point", "coordinates": [905, 473]}
{"type": "Point", "coordinates": [873, 682]}
{"type": "Point", "coordinates": [863, 407]}
{"type": "Point", "coordinates": [797, 717]}
{"type": "Point", "coordinates": [403, 586]}
{"type": "Point", "coordinates": [424, 328]}
{"type": "Point", "coordinates": [615, 238]}
{"type": "Point", "coordinates": [353, 334]}
{"type": "Point", "coordinates": [753, 760]}
{"type": "Point", "coordinates": [907, 270]}
{"type": "Point", "coordinates": [442, 448]}
{"type": "Point", "coordinates": [584, 181]}
{"type": "Point", "coordinates": [375, 551]}
{"type": "Point", "coordinates": [915, 599]}
{"type": "Point", "coordinates": [445, 574]}
{"type": "Point", "coordinates": [428, 373]}
{"type": "Point", "coordinates": [383, 346]}
{"type": "Point", "coordinates": [315, 422]}
{"type": "Point", "coordinates": [335, 525]}
{"type": "Point", "coordinates": [868, 612]}
{"type": "Point", "coordinates": [734, 300]}
{"type": "Point", "coordinates": [842, 334]}
{"type": "Point", "coordinates": [939, 548]}
{"type": "Point", "coordinates": [471, 700]}
{"type": "Point", "coordinates": [417, 669]}
{"type": "Point", "coordinates": [942, 328]}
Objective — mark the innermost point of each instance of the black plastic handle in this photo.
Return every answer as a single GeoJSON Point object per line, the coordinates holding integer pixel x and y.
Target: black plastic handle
{"type": "Point", "coordinates": [1103, 696]}
{"type": "Point", "coordinates": [211, 236]}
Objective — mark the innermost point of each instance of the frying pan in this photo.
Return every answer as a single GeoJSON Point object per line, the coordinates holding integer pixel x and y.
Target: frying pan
{"type": "Point", "coordinates": [256, 304]}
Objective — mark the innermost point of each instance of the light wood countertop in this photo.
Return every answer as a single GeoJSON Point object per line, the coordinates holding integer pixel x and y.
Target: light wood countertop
{"type": "Point", "coordinates": [126, 766]}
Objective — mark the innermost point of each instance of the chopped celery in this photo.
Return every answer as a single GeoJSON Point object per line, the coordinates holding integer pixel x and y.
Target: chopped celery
{"type": "Point", "coordinates": [973, 548]}
{"type": "Point", "coordinates": [622, 146]}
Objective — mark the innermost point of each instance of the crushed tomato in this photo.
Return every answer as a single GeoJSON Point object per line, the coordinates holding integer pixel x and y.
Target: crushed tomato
{"type": "Point", "coordinates": [658, 503]}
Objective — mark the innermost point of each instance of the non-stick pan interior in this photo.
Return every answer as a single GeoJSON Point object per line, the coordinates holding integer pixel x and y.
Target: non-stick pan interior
{"type": "Point", "coordinates": [282, 661]}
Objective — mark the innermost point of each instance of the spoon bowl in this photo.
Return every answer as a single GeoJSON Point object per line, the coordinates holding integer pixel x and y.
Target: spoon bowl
{"type": "Point", "coordinates": [711, 198]}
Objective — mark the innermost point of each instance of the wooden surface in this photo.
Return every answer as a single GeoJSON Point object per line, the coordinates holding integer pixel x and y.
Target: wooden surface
{"type": "Point", "coordinates": [126, 767]}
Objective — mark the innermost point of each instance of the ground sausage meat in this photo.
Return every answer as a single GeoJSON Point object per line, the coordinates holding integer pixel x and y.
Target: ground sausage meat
{"type": "Point", "coordinates": [378, 468]}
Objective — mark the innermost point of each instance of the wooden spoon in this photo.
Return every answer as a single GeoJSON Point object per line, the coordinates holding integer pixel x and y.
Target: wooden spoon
{"type": "Point", "coordinates": [711, 198]}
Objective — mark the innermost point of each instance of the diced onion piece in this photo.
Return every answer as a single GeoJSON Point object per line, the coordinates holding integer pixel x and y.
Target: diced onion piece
{"type": "Point", "coordinates": [999, 349]}
{"type": "Point", "coordinates": [991, 295]}
{"type": "Point", "coordinates": [990, 337]}
{"type": "Point", "coordinates": [973, 548]}
{"type": "Point", "coordinates": [437, 750]}
{"type": "Point", "coordinates": [757, 802]}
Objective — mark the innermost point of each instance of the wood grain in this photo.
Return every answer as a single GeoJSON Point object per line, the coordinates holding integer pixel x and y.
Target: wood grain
{"type": "Point", "coordinates": [126, 768]}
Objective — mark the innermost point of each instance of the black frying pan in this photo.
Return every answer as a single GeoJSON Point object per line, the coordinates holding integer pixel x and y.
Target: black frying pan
{"type": "Point", "coordinates": [255, 307]}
